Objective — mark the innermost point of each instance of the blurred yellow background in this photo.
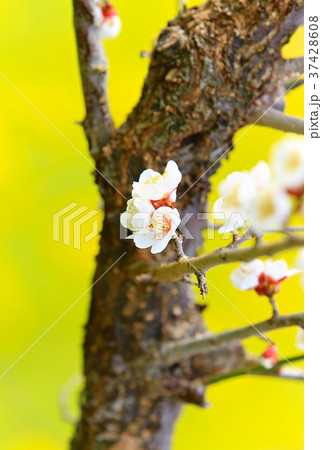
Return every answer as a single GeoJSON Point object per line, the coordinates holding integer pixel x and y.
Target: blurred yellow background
{"type": "Point", "coordinates": [41, 174]}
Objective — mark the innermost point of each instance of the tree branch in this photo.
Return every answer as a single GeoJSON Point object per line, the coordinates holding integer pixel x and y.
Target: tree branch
{"type": "Point", "coordinates": [285, 230]}
{"type": "Point", "coordinates": [225, 255]}
{"type": "Point", "coordinates": [259, 370]}
{"type": "Point", "coordinates": [181, 5]}
{"type": "Point", "coordinates": [279, 121]}
{"type": "Point", "coordinates": [294, 66]}
{"type": "Point", "coordinates": [176, 351]}
{"type": "Point", "coordinates": [98, 123]}
{"type": "Point", "coordinates": [240, 239]}
{"type": "Point", "coordinates": [290, 70]}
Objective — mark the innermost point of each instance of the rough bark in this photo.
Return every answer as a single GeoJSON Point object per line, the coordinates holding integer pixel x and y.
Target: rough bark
{"type": "Point", "coordinates": [211, 68]}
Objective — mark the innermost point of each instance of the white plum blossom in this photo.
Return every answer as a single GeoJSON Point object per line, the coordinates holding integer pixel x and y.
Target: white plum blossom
{"type": "Point", "coordinates": [270, 207]}
{"type": "Point", "coordinates": [251, 197]}
{"type": "Point", "coordinates": [237, 192]}
{"type": "Point", "coordinates": [111, 22]}
{"type": "Point", "coordinates": [245, 277]}
{"type": "Point", "coordinates": [158, 231]}
{"type": "Point", "coordinates": [287, 162]}
{"type": "Point", "coordinates": [264, 277]}
{"type": "Point", "coordinates": [161, 190]}
{"type": "Point", "coordinates": [150, 213]}
{"type": "Point", "coordinates": [269, 357]}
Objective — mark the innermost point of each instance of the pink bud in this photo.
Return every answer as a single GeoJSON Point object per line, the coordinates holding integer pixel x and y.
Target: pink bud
{"type": "Point", "coordinates": [269, 357]}
{"type": "Point", "coordinates": [108, 10]}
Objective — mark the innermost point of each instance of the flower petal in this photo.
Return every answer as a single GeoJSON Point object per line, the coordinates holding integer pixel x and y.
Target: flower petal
{"type": "Point", "coordinates": [143, 204]}
{"type": "Point", "coordinates": [267, 363]}
{"type": "Point", "coordinates": [148, 175]}
{"type": "Point", "coordinates": [143, 240]}
{"type": "Point", "coordinates": [219, 206]}
{"type": "Point", "coordinates": [261, 173]}
{"type": "Point", "coordinates": [126, 219]}
{"type": "Point", "coordinates": [292, 272]}
{"type": "Point", "coordinates": [287, 161]}
{"type": "Point", "coordinates": [276, 269]}
{"type": "Point", "coordinates": [163, 218]}
{"type": "Point", "coordinates": [270, 207]}
{"type": "Point", "coordinates": [140, 220]}
{"type": "Point", "coordinates": [109, 30]}
{"type": "Point", "coordinates": [246, 275]}
{"type": "Point", "coordinates": [160, 244]}
{"type": "Point", "coordinates": [172, 175]}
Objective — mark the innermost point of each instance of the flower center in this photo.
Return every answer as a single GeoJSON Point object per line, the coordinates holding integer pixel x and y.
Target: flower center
{"type": "Point", "coordinates": [294, 162]}
{"type": "Point", "coordinates": [162, 225]}
{"type": "Point", "coordinates": [232, 200]}
{"type": "Point", "coordinates": [158, 179]}
{"type": "Point", "coordinates": [267, 285]}
{"type": "Point", "coordinates": [267, 206]}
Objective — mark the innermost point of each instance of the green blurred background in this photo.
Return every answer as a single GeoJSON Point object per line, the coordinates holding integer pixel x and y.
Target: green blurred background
{"type": "Point", "coordinates": [41, 174]}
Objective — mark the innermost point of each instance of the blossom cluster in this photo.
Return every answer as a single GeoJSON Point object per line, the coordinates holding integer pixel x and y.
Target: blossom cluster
{"type": "Point", "coordinates": [261, 197]}
{"type": "Point", "coordinates": [150, 213]}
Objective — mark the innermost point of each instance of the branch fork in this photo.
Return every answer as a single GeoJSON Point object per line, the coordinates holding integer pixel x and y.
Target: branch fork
{"type": "Point", "coordinates": [200, 275]}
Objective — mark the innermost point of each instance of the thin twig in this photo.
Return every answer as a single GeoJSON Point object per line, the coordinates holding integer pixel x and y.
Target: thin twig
{"type": "Point", "coordinates": [285, 230]}
{"type": "Point", "coordinates": [176, 351]}
{"type": "Point", "coordinates": [273, 303]}
{"type": "Point", "coordinates": [224, 255]}
{"type": "Point", "coordinates": [200, 275]}
{"type": "Point", "coordinates": [98, 123]}
{"type": "Point", "coordinates": [240, 239]}
{"type": "Point", "coordinates": [258, 370]}
{"type": "Point", "coordinates": [178, 241]}
{"type": "Point", "coordinates": [202, 283]}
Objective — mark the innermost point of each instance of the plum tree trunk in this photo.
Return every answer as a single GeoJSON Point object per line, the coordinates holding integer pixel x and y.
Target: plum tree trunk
{"type": "Point", "coordinates": [211, 69]}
